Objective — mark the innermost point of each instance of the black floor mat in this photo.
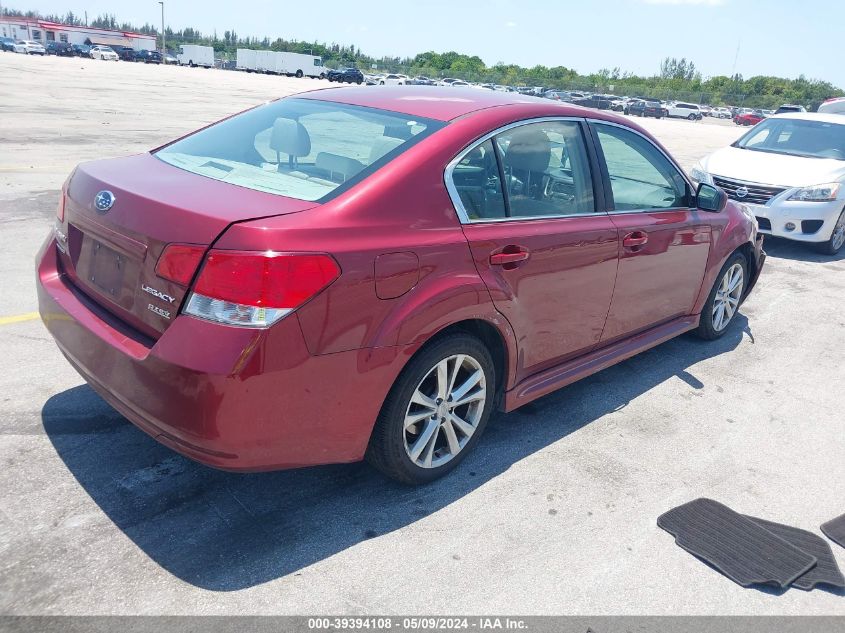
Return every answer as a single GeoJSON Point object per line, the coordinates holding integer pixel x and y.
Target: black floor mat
{"type": "Point", "coordinates": [835, 530]}
{"type": "Point", "coordinates": [826, 570]}
{"type": "Point", "coordinates": [744, 551]}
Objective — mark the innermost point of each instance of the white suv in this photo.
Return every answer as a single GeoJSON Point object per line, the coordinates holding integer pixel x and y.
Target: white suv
{"type": "Point", "coordinates": [789, 170]}
{"type": "Point", "coordinates": [682, 110]}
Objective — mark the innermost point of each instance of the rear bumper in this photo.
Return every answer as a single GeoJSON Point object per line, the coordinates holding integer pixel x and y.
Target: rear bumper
{"type": "Point", "coordinates": [232, 398]}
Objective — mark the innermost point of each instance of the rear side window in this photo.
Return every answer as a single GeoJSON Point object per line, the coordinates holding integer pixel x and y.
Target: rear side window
{"type": "Point", "coordinates": [477, 181]}
{"type": "Point", "coordinates": [299, 148]}
{"type": "Point", "coordinates": [546, 170]}
{"type": "Point", "coordinates": [641, 177]}
{"type": "Point", "coordinates": [534, 170]}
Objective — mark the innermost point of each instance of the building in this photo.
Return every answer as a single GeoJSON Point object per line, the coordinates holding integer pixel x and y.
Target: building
{"type": "Point", "coordinates": [43, 32]}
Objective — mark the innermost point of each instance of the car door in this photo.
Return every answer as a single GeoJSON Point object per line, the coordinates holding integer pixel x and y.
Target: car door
{"type": "Point", "coordinates": [664, 242]}
{"type": "Point", "coordinates": [527, 200]}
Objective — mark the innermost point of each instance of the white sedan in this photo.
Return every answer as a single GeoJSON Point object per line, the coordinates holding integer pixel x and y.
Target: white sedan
{"type": "Point", "coordinates": [393, 80]}
{"type": "Point", "coordinates": [789, 170]}
{"type": "Point", "coordinates": [28, 47]}
{"type": "Point", "coordinates": [721, 113]}
{"type": "Point", "coordinates": [103, 52]}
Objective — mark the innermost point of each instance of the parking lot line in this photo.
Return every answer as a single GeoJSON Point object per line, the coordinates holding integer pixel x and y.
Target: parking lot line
{"type": "Point", "coordinates": [18, 318]}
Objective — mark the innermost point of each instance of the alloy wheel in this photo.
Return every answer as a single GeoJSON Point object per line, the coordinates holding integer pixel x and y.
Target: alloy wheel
{"type": "Point", "coordinates": [444, 411]}
{"type": "Point", "coordinates": [728, 294]}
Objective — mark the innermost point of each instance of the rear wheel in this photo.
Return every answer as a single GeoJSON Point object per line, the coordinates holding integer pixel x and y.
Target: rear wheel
{"type": "Point", "coordinates": [723, 301]}
{"type": "Point", "coordinates": [435, 412]}
{"type": "Point", "coordinates": [691, 117]}
{"type": "Point", "coordinates": [299, 74]}
{"type": "Point", "coordinates": [837, 238]}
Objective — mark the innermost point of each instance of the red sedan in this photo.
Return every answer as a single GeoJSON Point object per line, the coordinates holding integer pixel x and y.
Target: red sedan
{"type": "Point", "coordinates": [749, 118]}
{"type": "Point", "coordinates": [370, 272]}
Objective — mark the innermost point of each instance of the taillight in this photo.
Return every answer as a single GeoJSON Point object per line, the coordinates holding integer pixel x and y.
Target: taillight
{"type": "Point", "coordinates": [60, 210]}
{"type": "Point", "coordinates": [179, 262]}
{"type": "Point", "coordinates": [257, 289]}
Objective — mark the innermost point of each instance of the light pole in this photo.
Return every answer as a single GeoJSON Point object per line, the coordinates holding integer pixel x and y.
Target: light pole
{"type": "Point", "coordinates": [163, 47]}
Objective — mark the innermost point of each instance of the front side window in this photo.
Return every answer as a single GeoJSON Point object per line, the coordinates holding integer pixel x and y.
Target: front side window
{"type": "Point", "coordinates": [641, 177]}
{"type": "Point", "coordinates": [299, 148]}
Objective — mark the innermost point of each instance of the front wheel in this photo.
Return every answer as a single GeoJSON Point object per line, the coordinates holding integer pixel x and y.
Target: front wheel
{"type": "Point", "coordinates": [837, 238]}
{"type": "Point", "coordinates": [724, 299]}
{"type": "Point", "coordinates": [691, 117]}
{"type": "Point", "coordinates": [435, 412]}
{"type": "Point", "coordinates": [299, 74]}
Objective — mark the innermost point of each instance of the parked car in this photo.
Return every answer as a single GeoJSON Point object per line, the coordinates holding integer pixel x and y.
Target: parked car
{"type": "Point", "coordinates": [29, 47]}
{"type": "Point", "coordinates": [835, 105]}
{"type": "Point", "coordinates": [399, 271]}
{"type": "Point", "coordinates": [7, 45]}
{"type": "Point", "coordinates": [148, 57]}
{"type": "Point", "coordinates": [651, 109]}
{"type": "Point", "coordinates": [682, 110]}
{"type": "Point", "coordinates": [789, 170]}
{"type": "Point", "coordinates": [786, 107]}
{"type": "Point", "coordinates": [420, 80]}
{"type": "Point", "coordinates": [460, 84]}
{"type": "Point", "coordinates": [81, 50]}
{"type": "Point", "coordinates": [749, 118]}
{"type": "Point", "coordinates": [126, 53]}
{"type": "Point", "coordinates": [558, 95]}
{"type": "Point", "coordinates": [393, 80]}
{"type": "Point", "coordinates": [104, 53]}
{"type": "Point", "coordinates": [598, 102]}
{"type": "Point", "coordinates": [60, 49]}
{"type": "Point", "coordinates": [346, 75]}
{"type": "Point", "coordinates": [170, 58]}
{"type": "Point", "coordinates": [721, 113]}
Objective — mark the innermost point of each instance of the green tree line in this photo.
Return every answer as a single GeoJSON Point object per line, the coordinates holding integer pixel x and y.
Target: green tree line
{"type": "Point", "coordinates": [676, 79]}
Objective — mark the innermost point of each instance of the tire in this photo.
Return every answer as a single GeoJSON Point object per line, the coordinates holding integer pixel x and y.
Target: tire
{"type": "Point", "coordinates": [393, 442]}
{"type": "Point", "coordinates": [710, 327]}
{"type": "Point", "coordinates": [381, 83]}
{"type": "Point", "coordinates": [358, 81]}
{"type": "Point", "coordinates": [299, 74]}
{"type": "Point", "coordinates": [691, 117]}
{"type": "Point", "coordinates": [322, 76]}
{"type": "Point", "coordinates": [837, 238]}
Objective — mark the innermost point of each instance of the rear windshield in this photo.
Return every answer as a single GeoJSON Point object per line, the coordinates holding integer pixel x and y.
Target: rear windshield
{"type": "Point", "coordinates": [298, 148]}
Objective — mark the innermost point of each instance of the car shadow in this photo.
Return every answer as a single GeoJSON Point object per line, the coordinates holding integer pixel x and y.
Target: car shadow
{"type": "Point", "coordinates": [224, 531]}
{"type": "Point", "coordinates": [800, 251]}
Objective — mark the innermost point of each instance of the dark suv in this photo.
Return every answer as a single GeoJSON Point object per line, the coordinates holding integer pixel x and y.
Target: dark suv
{"type": "Point", "coordinates": [346, 75]}
{"type": "Point", "coordinates": [125, 53]}
{"type": "Point", "coordinates": [646, 109]}
{"type": "Point", "coordinates": [60, 49]}
{"type": "Point", "coordinates": [148, 57]}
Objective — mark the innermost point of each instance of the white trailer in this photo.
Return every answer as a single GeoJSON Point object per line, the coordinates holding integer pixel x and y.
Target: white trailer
{"type": "Point", "coordinates": [246, 59]}
{"type": "Point", "coordinates": [194, 55]}
{"type": "Point", "coordinates": [265, 61]}
{"type": "Point", "coordinates": [299, 65]}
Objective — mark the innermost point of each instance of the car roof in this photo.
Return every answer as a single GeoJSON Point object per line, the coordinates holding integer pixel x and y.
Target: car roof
{"type": "Point", "coordinates": [443, 104]}
{"type": "Point", "coordinates": [824, 117]}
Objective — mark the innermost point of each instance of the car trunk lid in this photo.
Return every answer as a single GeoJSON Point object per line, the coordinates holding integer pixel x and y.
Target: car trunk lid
{"type": "Point", "coordinates": [112, 253]}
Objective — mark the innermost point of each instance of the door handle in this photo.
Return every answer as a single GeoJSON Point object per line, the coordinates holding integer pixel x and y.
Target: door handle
{"type": "Point", "coordinates": [510, 255]}
{"type": "Point", "coordinates": [635, 239]}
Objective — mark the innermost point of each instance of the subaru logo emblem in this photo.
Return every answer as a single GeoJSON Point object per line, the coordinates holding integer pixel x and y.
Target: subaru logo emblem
{"type": "Point", "coordinates": [741, 192]}
{"type": "Point", "coordinates": [104, 201]}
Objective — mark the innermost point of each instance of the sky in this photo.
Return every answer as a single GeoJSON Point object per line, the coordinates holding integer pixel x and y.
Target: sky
{"type": "Point", "coordinates": [784, 38]}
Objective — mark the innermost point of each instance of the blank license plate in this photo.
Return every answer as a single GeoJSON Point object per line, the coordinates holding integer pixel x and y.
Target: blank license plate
{"type": "Point", "coordinates": [107, 268]}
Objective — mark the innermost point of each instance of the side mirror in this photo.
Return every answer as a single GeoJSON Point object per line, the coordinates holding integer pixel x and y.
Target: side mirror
{"type": "Point", "coordinates": [710, 198]}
